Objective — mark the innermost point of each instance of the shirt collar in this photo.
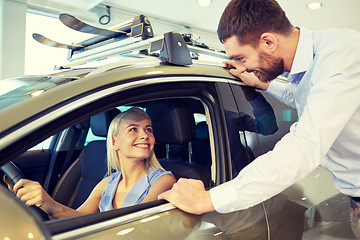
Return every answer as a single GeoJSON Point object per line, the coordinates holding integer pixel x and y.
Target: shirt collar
{"type": "Point", "coordinates": [304, 52]}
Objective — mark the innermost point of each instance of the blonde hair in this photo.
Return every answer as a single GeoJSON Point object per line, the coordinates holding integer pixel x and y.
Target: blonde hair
{"type": "Point", "coordinates": [112, 157]}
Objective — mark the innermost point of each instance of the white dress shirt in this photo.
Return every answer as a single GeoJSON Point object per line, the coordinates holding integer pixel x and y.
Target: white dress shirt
{"type": "Point", "coordinates": [324, 87]}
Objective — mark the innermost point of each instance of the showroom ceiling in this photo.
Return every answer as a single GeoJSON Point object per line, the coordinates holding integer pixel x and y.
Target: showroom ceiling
{"type": "Point", "coordinates": [333, 13]}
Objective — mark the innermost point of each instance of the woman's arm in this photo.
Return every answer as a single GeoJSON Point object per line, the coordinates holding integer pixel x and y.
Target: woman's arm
{"type": "Point", "coordinates": [91, 205]}
{"type": "Point", "coordinates": [32, 193]}
{"type": "Point", "coordinates": [163, 184]}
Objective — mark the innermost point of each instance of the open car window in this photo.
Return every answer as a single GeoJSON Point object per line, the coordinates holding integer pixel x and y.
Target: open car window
{"type": "Point", "coordinates": [189, 154]}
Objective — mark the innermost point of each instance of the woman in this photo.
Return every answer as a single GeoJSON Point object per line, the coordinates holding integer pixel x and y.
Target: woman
{"type": "Point", "coordinates": [138, 175]}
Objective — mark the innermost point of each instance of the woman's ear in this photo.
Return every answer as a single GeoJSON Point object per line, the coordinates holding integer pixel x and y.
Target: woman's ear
{"type": "Point", "coordinates": [268, 42]}
{"type": "Point", "coordinates": [114, 144]}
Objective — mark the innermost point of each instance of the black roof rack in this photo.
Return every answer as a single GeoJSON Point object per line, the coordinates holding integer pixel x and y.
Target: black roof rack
{"type": "Point", "coordinates": [135, 35]}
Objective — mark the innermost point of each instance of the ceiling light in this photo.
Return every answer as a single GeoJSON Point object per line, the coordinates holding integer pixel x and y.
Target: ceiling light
{"type": "Point", "coordinates": [103, 13]}
{"type": "Point", "coordinates": [204, 3]}
{"type": "Point", "coordinates": [314, 5]}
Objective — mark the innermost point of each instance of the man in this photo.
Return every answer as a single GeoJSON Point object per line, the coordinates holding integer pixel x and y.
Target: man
{"type": "Point", "coordinates": [324, 87]}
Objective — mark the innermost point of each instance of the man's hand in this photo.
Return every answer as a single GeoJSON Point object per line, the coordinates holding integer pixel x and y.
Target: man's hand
{"type": "Point", "coordinates": [248, 78]}
{"type": "Point", "coordinates": [190, 196]}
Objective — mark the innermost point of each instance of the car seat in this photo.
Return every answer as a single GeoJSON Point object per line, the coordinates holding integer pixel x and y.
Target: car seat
{"type": "Point", "coordinates": [89, 168]}
{"type": "Point", "coordinates": [173, 124]}
{"type": "Point", "coordinates": [200, 149]}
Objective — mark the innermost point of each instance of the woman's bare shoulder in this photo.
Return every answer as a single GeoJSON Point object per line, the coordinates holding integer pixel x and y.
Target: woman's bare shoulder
{"type": "Point", "coordinates": [99, 188]}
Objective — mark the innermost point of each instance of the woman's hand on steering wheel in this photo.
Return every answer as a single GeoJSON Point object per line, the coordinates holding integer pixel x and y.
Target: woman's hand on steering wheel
{"type": "Point", "coordinates": [30, 192]}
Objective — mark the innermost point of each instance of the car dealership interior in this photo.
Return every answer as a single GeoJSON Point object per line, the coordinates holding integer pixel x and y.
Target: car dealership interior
{"type": "Point", "coordinates": [21, 18]}
{"type": "Point", "coordinates": [167, 119]}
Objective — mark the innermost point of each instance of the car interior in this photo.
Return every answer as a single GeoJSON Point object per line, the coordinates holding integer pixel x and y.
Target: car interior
{"type": "Point", "coordinates": [76, 159]}
{"type": "Point", "coordinates": [182, 147]}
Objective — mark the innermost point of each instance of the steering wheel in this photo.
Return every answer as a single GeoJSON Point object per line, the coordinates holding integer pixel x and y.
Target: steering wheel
{"type": "Point", "coordinates": [14, 174]}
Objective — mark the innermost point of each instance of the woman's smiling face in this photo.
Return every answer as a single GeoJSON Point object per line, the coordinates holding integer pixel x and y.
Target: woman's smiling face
{"type": "Point", "coordinates": [135, 138]}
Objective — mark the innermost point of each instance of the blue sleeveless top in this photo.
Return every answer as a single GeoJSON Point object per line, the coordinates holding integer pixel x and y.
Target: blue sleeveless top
{"type": "Point", "coordinates": [137, 193]}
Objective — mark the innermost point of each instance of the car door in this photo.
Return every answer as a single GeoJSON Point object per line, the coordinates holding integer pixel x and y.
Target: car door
{"type": "Point", "coordinates": [158, 220]}
{"type": "Point", "coordinates": [284, 216]}
{"type": "Point", "coordinates": [220, 109]}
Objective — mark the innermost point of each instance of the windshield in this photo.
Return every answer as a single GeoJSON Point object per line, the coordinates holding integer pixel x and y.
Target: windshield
{"type": "Point", "coordinates": [15, 90]}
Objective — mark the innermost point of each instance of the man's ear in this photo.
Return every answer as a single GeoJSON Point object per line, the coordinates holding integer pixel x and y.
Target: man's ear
{"type": "Point", "coordinates": [268, 42]}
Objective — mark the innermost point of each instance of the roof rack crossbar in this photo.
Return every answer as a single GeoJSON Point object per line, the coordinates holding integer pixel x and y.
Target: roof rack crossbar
{"type": "Point", "coordinates": [207, 52]}
{"type": "Point", "coordinates": [107, 51]}
{"type": "Point", "coordinates": [126, 38]}
{"type": "Point", "coordinates": [171, 47]}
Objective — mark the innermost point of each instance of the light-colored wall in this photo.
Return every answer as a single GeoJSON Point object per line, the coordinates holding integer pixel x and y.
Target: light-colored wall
{"type": "Point", "coordinates": [12, 38]}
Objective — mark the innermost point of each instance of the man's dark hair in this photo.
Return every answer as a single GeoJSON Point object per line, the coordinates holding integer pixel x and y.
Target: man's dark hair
{"type": "Point", "coordinates": [249, 19]}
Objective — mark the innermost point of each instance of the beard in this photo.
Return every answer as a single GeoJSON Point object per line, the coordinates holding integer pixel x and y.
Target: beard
{"type": "Point", "coordinates": [271, 67]}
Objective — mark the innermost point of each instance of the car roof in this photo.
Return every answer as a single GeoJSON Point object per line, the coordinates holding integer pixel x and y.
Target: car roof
{"type": "Point", "coordinates": [21, 103]}
{"type": "Point", "coordinates": [167, 58]}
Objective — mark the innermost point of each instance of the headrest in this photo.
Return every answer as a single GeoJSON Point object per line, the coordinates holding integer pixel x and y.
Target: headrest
{"type": "Point", "coordinates": [202, 131]}
{"type": "Point", "coordinates": [173, 121]}
{"type": "Point", "coordinates": [100, 123]}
